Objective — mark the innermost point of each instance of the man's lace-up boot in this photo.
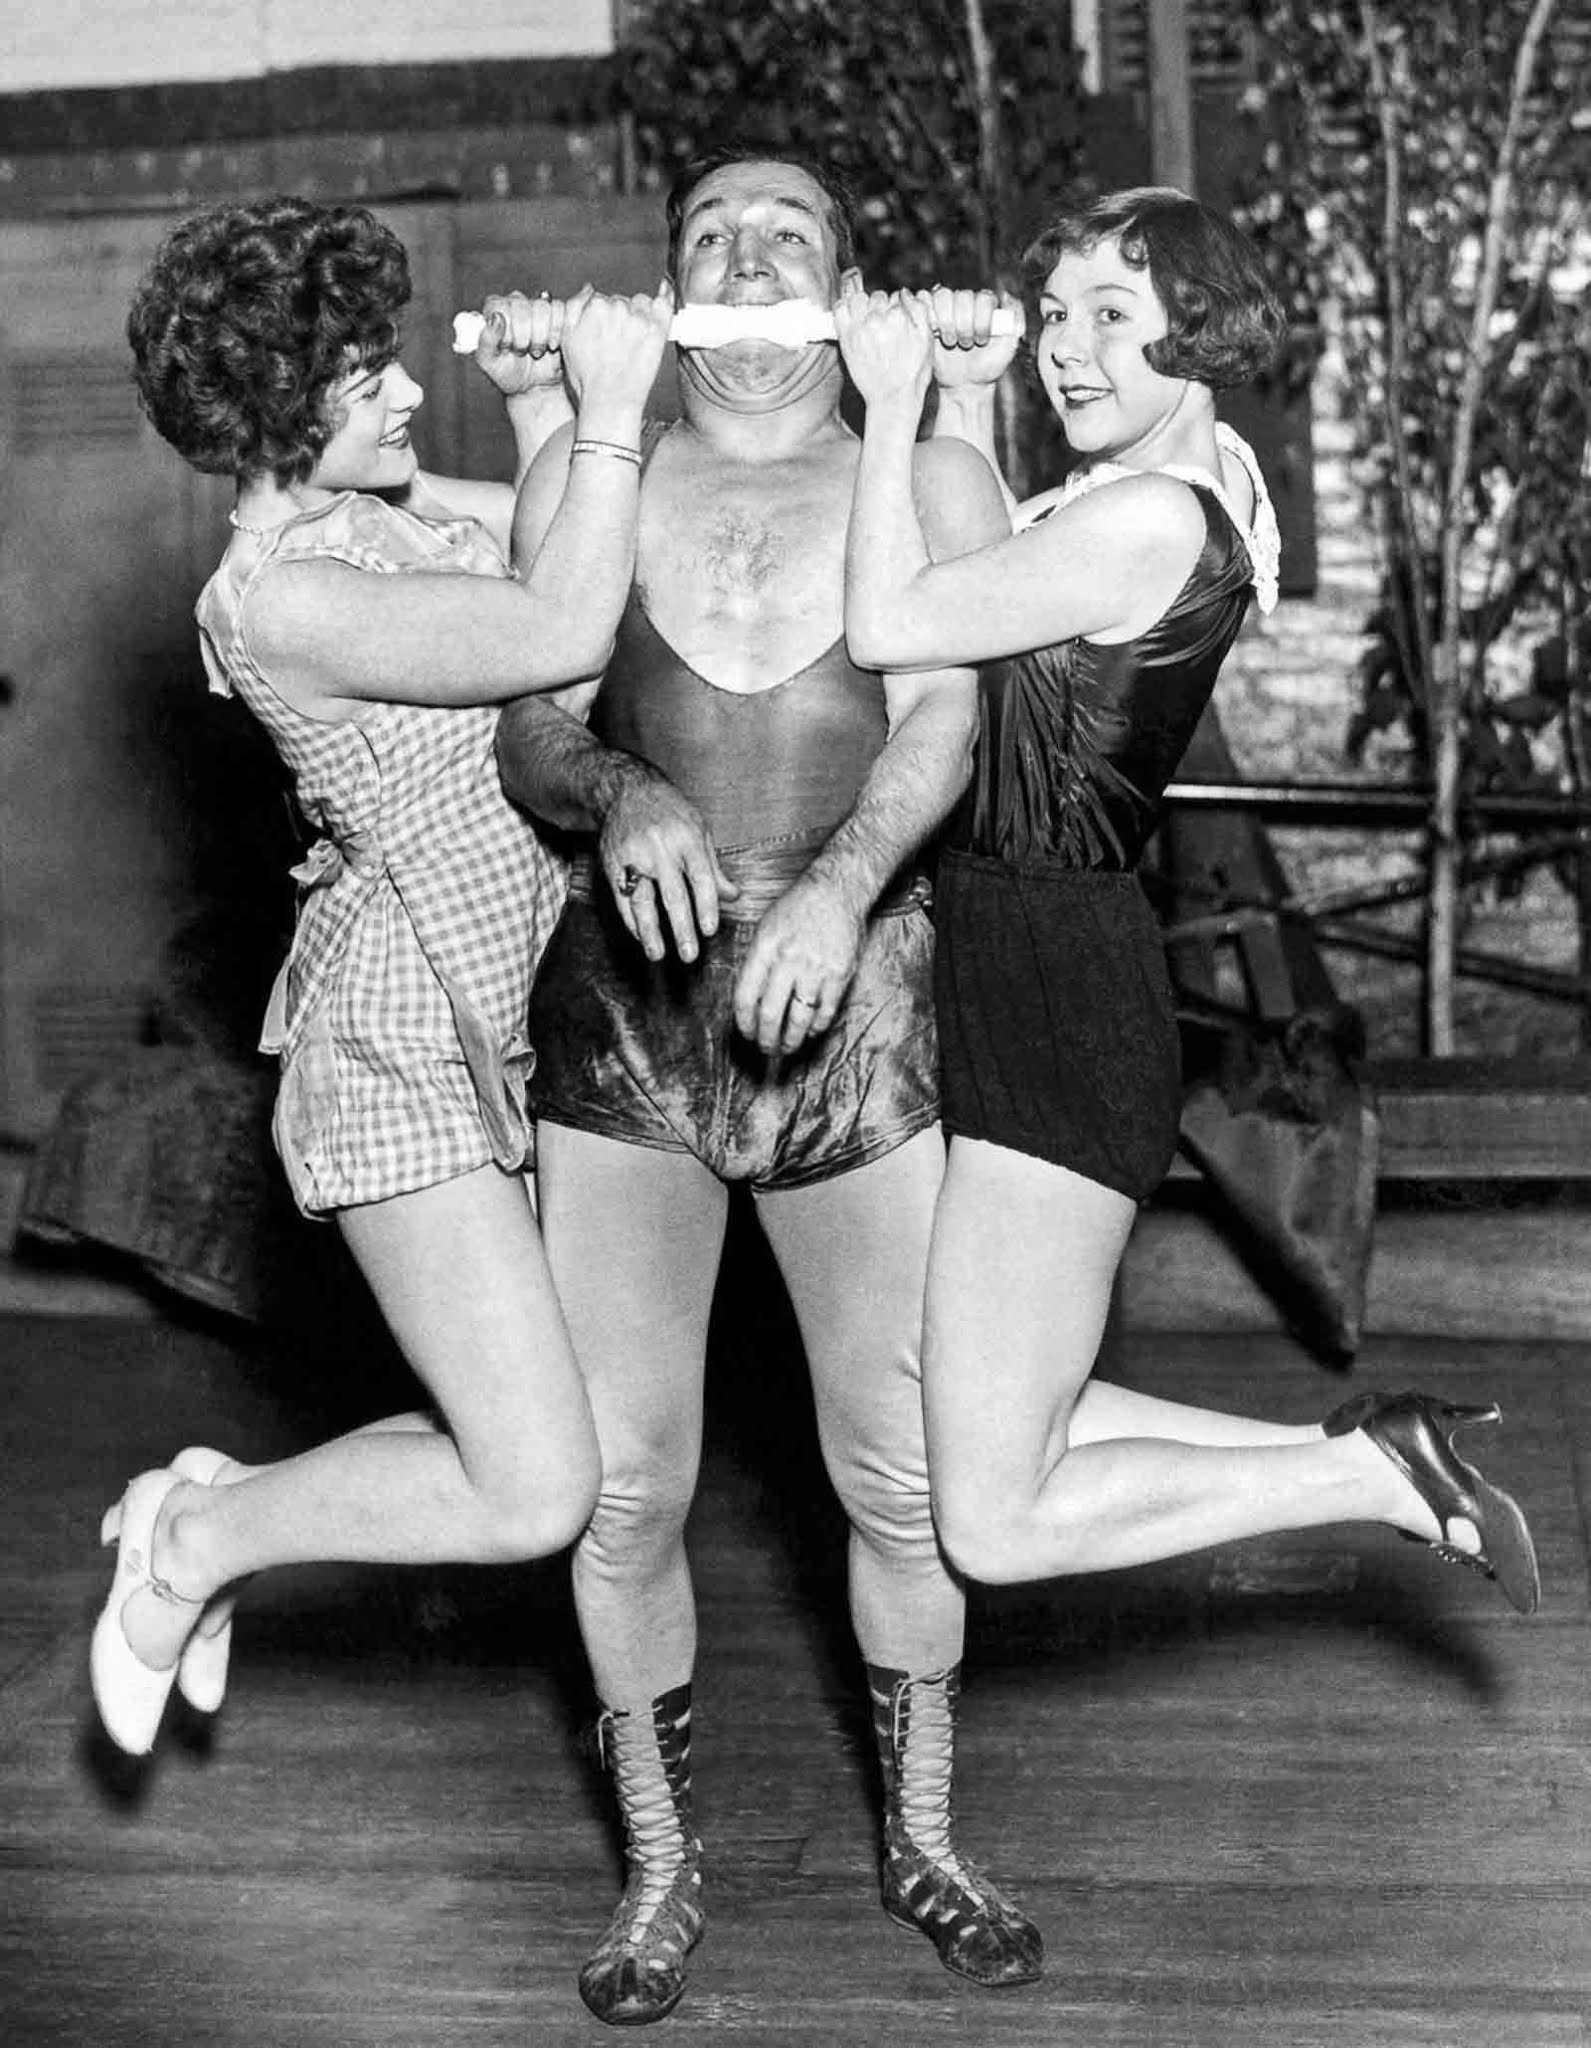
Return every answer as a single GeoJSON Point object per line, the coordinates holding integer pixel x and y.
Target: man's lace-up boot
{"type": "Point", "coordinates": [637, 1972]}
{"type": "Point", "coordinates": [978, 1931]}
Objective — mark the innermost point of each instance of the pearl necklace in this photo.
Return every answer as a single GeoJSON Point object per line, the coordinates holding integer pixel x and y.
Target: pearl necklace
{"type": "Point", "coordinates": [243, 526]}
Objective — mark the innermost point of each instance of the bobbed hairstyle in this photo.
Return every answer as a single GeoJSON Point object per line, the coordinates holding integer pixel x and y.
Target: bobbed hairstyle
{"type": "Point", "coordinates": [750, 149]}
{"type": "Point", "coordinates": [247, 317]}
{"type": "Point", "coordinates": [1225, 321]}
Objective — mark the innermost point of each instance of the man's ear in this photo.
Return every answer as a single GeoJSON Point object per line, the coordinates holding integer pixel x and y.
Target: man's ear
{"type": "Point", "coordinates": [851, 282]}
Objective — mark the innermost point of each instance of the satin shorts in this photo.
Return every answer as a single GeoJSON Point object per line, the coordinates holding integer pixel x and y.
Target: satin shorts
{"type": "Point", "coordinates": [648, 1053]}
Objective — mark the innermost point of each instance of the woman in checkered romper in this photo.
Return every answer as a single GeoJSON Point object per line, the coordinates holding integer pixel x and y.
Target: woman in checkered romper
{"type": "Point", "coordinates": [374, 637]}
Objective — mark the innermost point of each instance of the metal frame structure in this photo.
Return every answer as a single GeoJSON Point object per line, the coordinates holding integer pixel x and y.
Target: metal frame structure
{"type": "Point", "coordinates": [1335, 917]}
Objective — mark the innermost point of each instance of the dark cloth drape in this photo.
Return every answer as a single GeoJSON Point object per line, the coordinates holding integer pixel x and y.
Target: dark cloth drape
{"type": "Point", "coordinates": [1286, 1133]}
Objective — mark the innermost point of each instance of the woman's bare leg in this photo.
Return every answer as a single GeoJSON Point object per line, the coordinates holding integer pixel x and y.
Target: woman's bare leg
{"type": "Point", "coordinates": [411, 1422]}
{"type": "Point", "coordinates": [461, 1276]}
{"type": "Point", "coordinates": [1105, 1411]}
{"type": "Point", "coordinates": [1034, 1476]}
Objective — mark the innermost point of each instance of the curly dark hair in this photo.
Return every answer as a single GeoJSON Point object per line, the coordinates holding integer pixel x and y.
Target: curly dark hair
{"type": "Point", "coordinates": [752, 149]}
{"type": "Point", "coordinates": [249, 315]}
{"type": "Point", "coordinates": [1226, 322]}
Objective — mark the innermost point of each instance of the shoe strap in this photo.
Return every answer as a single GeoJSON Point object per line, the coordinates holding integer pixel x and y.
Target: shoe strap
{"type": "Point", "coordinates": [149, 1580]}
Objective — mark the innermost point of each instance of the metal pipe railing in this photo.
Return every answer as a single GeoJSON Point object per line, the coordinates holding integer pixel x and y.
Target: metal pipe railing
{"type": "Point", "coordinates": [1330, 917]}
{"type": "Point", "coordinates": [1369, 803]}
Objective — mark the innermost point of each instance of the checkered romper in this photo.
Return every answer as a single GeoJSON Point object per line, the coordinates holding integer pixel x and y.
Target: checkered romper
{"type": "Point", "coordinates": [399, 1014]}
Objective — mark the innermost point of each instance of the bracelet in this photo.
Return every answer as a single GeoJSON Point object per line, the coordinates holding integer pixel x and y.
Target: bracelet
{"type": "Point", "coordinates": [616, 448]}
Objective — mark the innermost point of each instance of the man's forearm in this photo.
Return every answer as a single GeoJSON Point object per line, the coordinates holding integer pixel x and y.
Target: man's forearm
{"type": "Point", "coordinates": [535, 416]}
{"type": "Point", "coordinates": [966, 412]}
{"type": "Point", "coordinates": [552, 766]}
{"type": "Point", "coordinates": [909, 792]}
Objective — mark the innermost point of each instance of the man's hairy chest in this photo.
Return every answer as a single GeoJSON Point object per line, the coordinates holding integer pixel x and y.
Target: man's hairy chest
{"type": "Point", "coordinates": [761, 565]}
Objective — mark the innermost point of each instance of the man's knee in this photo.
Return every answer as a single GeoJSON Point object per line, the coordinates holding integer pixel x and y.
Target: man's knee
{"type": "Point", "coordinates": [886, 1502]}
{"type": "Point", "coordinates": [641, 1506]}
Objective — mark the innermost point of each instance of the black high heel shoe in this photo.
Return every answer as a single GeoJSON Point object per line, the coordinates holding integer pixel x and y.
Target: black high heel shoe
{"type": "Point", "coordinates": [1416, 1432]}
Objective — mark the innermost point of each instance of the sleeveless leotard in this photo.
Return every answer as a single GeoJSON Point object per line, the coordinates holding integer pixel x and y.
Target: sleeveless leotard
{"type": "Point", "coordinates": [782, 763]}
{"type": "Point", "coordinates": [1057, 1029]}
{"type": "Point", "coordinates": [650, 1054]}
{"type": "Point", "coordinates": [1077, 741]}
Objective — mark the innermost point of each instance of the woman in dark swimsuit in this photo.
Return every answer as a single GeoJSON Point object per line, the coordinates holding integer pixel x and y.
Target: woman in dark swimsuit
{"type": "Point", "coordinates": [1105, 619]}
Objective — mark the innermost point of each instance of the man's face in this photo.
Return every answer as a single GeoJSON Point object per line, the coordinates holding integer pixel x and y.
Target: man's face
{"type": "Point", "coordinates": [756, 233]}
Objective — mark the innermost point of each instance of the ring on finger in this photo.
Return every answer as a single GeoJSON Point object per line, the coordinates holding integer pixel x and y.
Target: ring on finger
{"type": "Point", "coordinates": [629, 881]}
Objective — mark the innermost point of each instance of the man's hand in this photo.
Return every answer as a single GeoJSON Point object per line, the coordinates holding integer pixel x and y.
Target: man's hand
{"type": "Point", "coordinates": [800, 965]}
{"type": "Point", "coordinates": [521, 344]}
{"type": "Point", "coordinates": [661, 863]}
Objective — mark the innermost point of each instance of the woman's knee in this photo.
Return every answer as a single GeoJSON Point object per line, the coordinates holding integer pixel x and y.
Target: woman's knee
{"type": "Point", "coordinates": [985, 1531]}
{"type": "Point", "coordinates": [540, 1512]}
{"type": "Point", "coordinates": [540, 1528]}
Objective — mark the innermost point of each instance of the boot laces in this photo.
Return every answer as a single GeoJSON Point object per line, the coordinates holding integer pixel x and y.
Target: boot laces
{"type": "Point", "coordinates": [922, 1740]}
{"type": "Point", "coordinates": [656, 1846]}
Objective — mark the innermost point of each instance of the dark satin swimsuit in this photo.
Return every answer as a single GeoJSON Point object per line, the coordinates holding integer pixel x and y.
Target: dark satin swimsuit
{"type": "Point", "coordinates": [649, 1054]}
{"type": "Point", "coordinates": [1057, 1029]}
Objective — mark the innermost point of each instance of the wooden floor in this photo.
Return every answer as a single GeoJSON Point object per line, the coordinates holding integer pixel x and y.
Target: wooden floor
{"type": "Point", "coordinates": [1317, 1792]}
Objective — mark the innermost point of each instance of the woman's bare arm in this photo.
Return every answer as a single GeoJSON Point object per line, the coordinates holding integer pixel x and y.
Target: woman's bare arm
{"type": "Point", "coordinates": [334, 637]}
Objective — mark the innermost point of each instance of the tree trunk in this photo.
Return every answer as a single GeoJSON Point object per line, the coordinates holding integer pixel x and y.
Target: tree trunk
{"type": "Point", "coordinates": [1577, 749]}
{"type": "Point", "coordinates": [1442, 855]}
{"type": "Point", "coordinates": [1451, 696]}
{"type": "Point", "coordinates": [992, 223]}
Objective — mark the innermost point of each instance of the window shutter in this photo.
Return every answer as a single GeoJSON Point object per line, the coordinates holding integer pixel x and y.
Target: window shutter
{"type": "Point", "coordinates": [1220, 39]}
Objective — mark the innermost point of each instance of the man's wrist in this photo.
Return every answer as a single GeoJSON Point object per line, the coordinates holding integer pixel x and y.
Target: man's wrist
{"type": "Point", "coordinates": [965, 406]}
{"type": "Point", "coordinates": [849, 876]}
{"type": "Point", "coordinates": [618, 775]}
{"type": "Point", "coordinates": [538, 399]}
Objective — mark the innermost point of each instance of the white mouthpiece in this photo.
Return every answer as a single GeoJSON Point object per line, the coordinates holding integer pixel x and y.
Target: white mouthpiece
{"type": "Point", "coordinates": [791, 323]}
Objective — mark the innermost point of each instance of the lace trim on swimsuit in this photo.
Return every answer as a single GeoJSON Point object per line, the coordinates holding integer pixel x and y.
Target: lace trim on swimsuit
{"type": "Point", "coordinates": [1260, 535]}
